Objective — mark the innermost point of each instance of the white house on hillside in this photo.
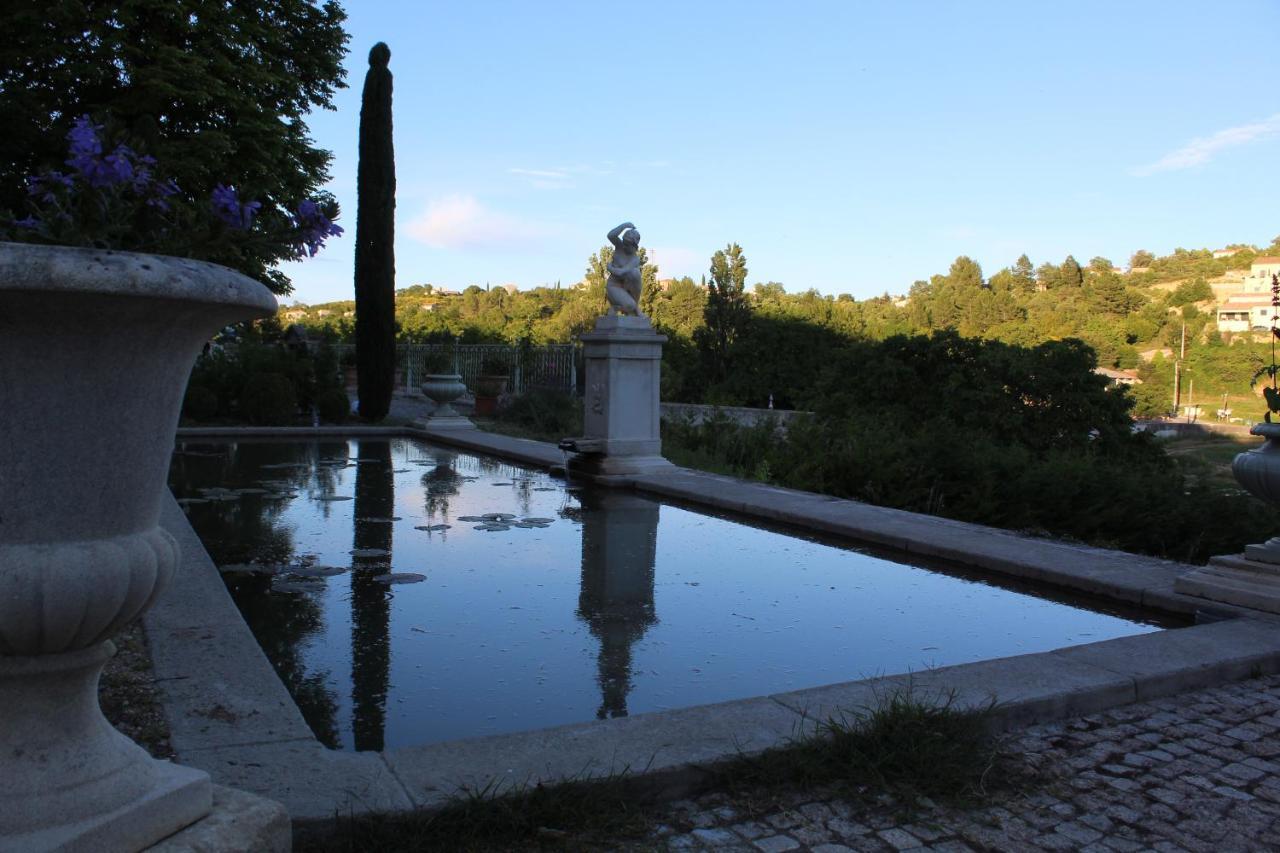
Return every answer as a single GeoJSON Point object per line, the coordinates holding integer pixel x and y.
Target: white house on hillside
{"type": "Point", "coordinates": [1259, 278]}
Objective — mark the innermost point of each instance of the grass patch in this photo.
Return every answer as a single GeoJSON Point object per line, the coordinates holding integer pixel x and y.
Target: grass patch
{"type": "Point", "coordinates": [573, 815]}
{"type": "Point", "coordinates": [907, 746]}
{"type": "Point", "coordinates": [1207, 458]}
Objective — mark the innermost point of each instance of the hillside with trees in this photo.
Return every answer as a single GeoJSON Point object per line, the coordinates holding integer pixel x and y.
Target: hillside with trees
{"type": "Point", "coordinates": [737, 344]}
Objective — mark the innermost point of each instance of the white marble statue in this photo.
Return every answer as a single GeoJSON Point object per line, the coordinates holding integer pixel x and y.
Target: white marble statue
{"type": "Point", "coordinates": [623, 287]}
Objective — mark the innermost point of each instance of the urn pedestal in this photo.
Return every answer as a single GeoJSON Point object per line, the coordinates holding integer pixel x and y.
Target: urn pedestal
{"type": "Point", "coordinates": [622, 422]}
{"type": "Point", "coordinates": [1251, 579]}
{"type": "Point", "coordinates": [442, 389]}
{"type": "Point", "coordinates": [95, 351]}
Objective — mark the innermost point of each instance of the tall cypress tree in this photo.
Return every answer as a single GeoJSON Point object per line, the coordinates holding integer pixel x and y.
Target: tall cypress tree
{"type": "Point", "coordinates": [375, 243]}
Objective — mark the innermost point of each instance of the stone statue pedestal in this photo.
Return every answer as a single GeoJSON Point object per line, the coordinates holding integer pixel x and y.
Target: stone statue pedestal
{"type": "Point", "coordinates": [621, 422]}
{"type": "Point", "coordinates": [1240, 579]}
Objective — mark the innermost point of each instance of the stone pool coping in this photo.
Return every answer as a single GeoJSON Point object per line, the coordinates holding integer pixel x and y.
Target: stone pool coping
{"type": "Point", "coordinates": [231, 715]}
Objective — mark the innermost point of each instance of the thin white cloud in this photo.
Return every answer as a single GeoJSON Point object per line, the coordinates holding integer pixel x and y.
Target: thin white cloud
{"type": "Point", "coordinates": [541, 173]}
{"type": "Point", "coordinates": [1201, 150]}
{"type": "Point", "coordinates": [462, 222]}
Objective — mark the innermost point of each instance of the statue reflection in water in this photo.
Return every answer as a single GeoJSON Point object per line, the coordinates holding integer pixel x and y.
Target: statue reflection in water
{"type": "Point", "coordinates": [619, 544]}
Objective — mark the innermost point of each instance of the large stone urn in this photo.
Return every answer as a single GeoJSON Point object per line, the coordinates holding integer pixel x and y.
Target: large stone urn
{"type": "Point", "coordinates": [1251, 579]}
{"type": "Point", "coordinates": [95, 351]}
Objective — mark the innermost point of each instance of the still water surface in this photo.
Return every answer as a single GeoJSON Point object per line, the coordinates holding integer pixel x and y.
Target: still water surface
{"type": "Point", "coordinates": [593, 609]}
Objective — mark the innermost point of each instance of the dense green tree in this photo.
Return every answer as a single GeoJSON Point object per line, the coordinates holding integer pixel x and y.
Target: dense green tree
{"type": "Point", "coordinates": [216, 92]}
{"type": "Point", "coordinates": [375, 242]}
{"type": "Point", "coordinates": [727, 310]}
{"type": "Point", "coordinates": [1141, 258]}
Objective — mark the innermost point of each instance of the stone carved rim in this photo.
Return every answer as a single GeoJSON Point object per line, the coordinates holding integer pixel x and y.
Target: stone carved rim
{"type": "Point", "coordinates": [71, 269]}
{"type": "Point", "coordinates": [1266, 430]}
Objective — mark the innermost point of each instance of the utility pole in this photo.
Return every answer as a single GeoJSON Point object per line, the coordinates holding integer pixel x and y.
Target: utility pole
{"type": "Point", "coordinates": [1177, 372]}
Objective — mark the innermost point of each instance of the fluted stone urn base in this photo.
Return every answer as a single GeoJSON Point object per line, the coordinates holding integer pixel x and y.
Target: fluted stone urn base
{"type": "Point", "coordinates": [95, 351]}
{"type": "Point", "coordinates": [1251, 579]}
{"type": "Point", "coordinates": [71, 781]}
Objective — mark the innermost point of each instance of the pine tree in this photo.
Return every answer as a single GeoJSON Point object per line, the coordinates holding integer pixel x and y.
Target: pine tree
{"type": "Point", "coordinates": [375, 243]}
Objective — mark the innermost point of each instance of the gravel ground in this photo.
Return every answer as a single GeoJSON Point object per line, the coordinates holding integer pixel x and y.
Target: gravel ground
{"type": "Point", "coordinates": [129, 697]}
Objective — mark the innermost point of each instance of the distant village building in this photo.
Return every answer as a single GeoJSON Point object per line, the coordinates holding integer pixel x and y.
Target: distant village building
{"type": "Point", "coordinates": [1245, 312]}
{"type": "Point", "coordinates": [1118, 377]}
{"type": "Point", "coordinates": [1225, 253]}
{"type": "Point", "coordinates": [293, 314]}
{"type": "Point", "coordinates": [1259, 278]}
{"type": "Point", "coordinates": [1251, 309]}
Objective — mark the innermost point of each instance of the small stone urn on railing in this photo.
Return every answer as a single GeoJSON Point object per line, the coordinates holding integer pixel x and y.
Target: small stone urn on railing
{"type": "Point", "coordinates": [95, 351]}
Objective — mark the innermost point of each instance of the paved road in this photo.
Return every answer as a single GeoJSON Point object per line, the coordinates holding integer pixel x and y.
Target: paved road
{"type": "Point", "coordinates": [1199, 772]}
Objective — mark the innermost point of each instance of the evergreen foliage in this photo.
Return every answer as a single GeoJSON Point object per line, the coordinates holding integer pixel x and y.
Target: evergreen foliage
{"type": "Point", "coordinates": [217, 93]}
{"type": "Point", "coordinates": [375, 242]}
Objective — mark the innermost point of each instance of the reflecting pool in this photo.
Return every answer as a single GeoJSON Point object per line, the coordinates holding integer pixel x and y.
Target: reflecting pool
{"type": "Point", "coordinates": [407, 593]}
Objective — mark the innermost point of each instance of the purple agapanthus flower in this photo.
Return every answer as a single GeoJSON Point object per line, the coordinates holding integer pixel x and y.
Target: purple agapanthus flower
{"type": "Point", "coordinates": [43, 187]}
{"type": "Point", "coordinates": [227, 207]}
{"type": "Point", "coordinates": [313, 228]}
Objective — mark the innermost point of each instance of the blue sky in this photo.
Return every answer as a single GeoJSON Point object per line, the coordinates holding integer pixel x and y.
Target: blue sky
{"type": "Point", "coordinates": [851, 147]}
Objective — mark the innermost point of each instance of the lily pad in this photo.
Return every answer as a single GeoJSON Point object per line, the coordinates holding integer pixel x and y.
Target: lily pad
{"type": "Point", "coordinates": [536, 520]}
{"type": "Point", "coordinates": [377, 520]}
{"type": "Point", "coordinates": [473, 518]}
{"type": "Point", "coordinates": [316, 571]}
{"type": "Point", "coordinates": [400, 577]}
{"type": "Point", "coordinates": [188, 501]}
{"type": "Point", "coordinates": [492, 528]}
{"type": "Point", "coordinates": [251, 491]}
{"type": "Point", "coordinates": [546, 489]}
{"type": "Point", "coordinates": [433, 527]}
{"type": "Point", "coordinates": [498, 515]}
{"type": "Point", "coordinates": [369, 552]}
{"type": "Point", "coordinates": [334, 498]}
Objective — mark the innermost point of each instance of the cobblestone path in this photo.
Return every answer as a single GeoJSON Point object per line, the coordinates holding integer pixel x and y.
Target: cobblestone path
{"type": "Point", "coordinates": [1197, 772]}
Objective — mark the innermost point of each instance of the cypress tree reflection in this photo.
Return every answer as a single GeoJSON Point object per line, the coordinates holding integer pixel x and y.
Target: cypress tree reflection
{"type": "Point", "coordinates": [619, 545]}
{"type": "Point", "coordinates": [370, 600]}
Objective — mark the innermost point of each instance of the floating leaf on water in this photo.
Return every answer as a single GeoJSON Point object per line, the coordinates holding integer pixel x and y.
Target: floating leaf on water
{"type": "Point", "coordinates": [377, 520]}
{"type": "Point", "coordinates": [497, 515]}
{"type": "Point", "coordinates": [546, 489]}
{"type": "Point", "coordinates": [186, 501]}
{"type": "Point", "coordinates": [472, 518]}
{"type": "Point", "coordinates": [251, 491]}
{"type": "Point", "coordinates": [525, 524]}
{"type": "Point", "coordinates": [316, 571]}
{"type": "Point", "coordinates": [334, 498]}
{"type": "Point", "coordinates": [492, 528]}
{"type": "Point", "coordinates": [536, 520]}
{"type": "Point", "coordinates": [222, 497]}
{"type": "Point", "coordinates": [433, 527]}
{"type": "Point", "coordinates": [369, 552]}
{"type": "Point", "coordinates": [286, 465]}
{"type": "Point", "coordinates": [501, 484]}
{"type": "Point", "coordinates": [399, 577]}
{"type": "Point", "coordinates": [399, 470]}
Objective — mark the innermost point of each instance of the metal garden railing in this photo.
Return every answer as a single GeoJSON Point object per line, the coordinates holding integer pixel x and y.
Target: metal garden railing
{"type": "Point", "coordinates": [552, 366]}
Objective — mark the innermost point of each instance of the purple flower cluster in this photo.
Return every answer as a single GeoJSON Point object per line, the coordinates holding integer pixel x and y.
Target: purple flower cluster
{"type": "Point", "coordinates": [228, 208]}
{"type": "Point", "coordinates": [111, 199]}
{"type": "Point", "coordinates": [123, 168]}
{"type": "Point", "coordinates": [313, 228]}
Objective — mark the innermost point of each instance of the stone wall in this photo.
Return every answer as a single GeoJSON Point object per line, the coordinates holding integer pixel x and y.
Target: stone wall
{"type": "Point", "coordinates": [741, 415]}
